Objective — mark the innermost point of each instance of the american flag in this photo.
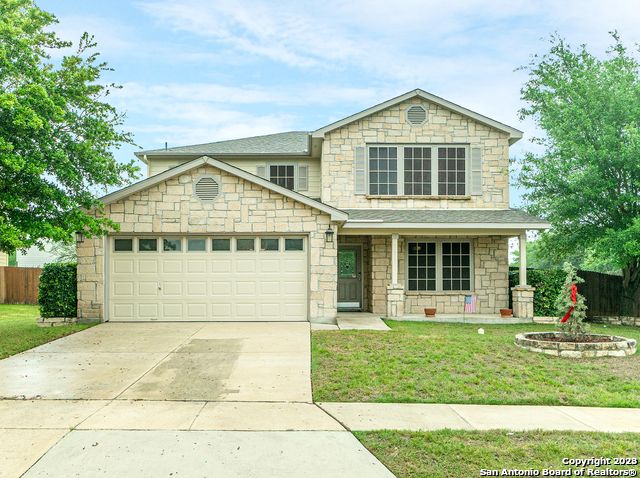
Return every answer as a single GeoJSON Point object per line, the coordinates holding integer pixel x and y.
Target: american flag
{"type": "Point", "coordinates": [470, 303]}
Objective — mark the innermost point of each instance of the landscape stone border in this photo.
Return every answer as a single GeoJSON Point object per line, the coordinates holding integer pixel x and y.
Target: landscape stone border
{"type": "Point", "coordinates": [56, 321]}
{"type": "Point", "coordinates": [621, 346]}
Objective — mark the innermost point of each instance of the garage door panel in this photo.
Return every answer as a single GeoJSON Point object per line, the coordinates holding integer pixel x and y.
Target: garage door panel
{"type": "Point", "coordinates": [124, 266]}
{"type": "Point", "coordinates": [147, 311]}
{"type": "Point", "coordinates": [212, 285]}
{"type": "Point", "coordinates": [123, 289]}
{"type": "Point", "coordinates": [271, 266]}
{"type": "Point", "coordinates": [245, 288]}
{"type": "Point", "coordinates": [146, 289]}
{"type": "Point", "coordinates": [196, 289]}
{"type": "Point", "coordinates": [196, 266]}
{"type": "Point", "coordinates": [172, 289]}
{"type": "Point", "coordinates": [148, 266]}
{"type": "Point", "coordinates": [172, 267]}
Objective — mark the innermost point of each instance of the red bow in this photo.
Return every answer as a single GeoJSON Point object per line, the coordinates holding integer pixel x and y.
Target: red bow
{"type": "Point", "coordinates": [574, 291]}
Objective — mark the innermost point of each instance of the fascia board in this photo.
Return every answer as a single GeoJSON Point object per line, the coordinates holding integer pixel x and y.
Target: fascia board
{"type": "Point", "coordinates": [230, 155]}
{"type": "Point", "coordinates": [336, 214]}
{"type": "Point", "coordinates": [428, 231]}
{"type": "Point", "coordinates": [515, 134]}
{"type": "Point", "coordinates": [443, 225]}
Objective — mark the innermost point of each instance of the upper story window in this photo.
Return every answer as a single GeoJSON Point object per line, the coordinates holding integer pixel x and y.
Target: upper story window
{"type": "Point", "coordinates": [283, 175]}
{"type": "Point", "coordinates": [414, 171]}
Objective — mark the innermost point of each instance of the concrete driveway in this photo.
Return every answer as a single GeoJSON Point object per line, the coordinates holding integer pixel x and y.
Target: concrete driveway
{"type": "Point", "coordinates": [193, 399]}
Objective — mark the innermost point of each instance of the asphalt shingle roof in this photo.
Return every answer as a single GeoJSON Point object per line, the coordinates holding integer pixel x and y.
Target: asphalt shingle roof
{"type": "Point", "coordinates": [292, 142]}
{"type": "Point", "coordinates": [475, 216]}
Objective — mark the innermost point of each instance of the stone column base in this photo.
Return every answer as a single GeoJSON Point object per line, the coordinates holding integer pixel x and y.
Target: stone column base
{"type": "Point", "coordinates": [56, 321]}
{"type": "Point", "coordinates": [523, 301]}
{"type": "Point", "coordinates": [395, 300]}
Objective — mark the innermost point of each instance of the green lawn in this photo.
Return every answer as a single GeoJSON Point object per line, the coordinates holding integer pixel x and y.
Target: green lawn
{"type": "Point", "coordinates": [426, 362]}
{"type": "Point", "coordinates": [461, 453]}
{"type": "Point", "coordinates": [19, 330]}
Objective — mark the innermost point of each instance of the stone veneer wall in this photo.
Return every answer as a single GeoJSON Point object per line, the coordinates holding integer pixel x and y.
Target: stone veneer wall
{"type": "Point", "coordinates": [243, 207]}
{"type": "Point", "coordinates": [389, 126]}
{"type": "Point", "coordinates": [491, 269]}
{"type": "Point", "coordinates": [365, 241]}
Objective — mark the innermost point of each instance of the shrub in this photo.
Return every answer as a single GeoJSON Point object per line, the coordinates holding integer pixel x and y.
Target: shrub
{"type": "Point", "coordinates": [58, 290]}
{"type": "Point", "coordinates": [548, 283]}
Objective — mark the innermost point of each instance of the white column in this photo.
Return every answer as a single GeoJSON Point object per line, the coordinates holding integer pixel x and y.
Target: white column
{"type": "Point", "coordinates": [523, 259]}
{"type": "Point", "coordinates": [394, 258]}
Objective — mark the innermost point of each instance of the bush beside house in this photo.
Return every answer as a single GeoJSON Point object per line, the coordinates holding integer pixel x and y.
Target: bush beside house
{"type": "Point", "coordinates": [58, 297]}
{"type": "Point", "coordinates": [548, 283]}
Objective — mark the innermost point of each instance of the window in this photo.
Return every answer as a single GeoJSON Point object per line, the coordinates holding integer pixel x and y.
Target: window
{"type": "Point", "coordinates": [412, 170]}
{"type": "Point", "coordinates": [172, 245]}
{"type": "Point", "coordinates": [451, 171]}
{"type": "Point", "coordinates": [147, 245]}
{"type": "Point", "coordinates": [123, 245]}
{"type": "Point", "coordinates": [283, 175]}
{"type": "Point", "coordinates": [417, 171]}
{"type": "Point", "coordinates": [245, 244]}
{"type": "Point", "coordinates": [221, 244]}
{"type": "Point", "coordinates": [383, 170]}
{"type": "Point", "coordinates": [439, 266]}
{"type": "Point", "coordinates": [196, 244]}
{"type": "Point", "coordinates": [269, 244]}
{"type": "Point", "coordinates": [293, 244]}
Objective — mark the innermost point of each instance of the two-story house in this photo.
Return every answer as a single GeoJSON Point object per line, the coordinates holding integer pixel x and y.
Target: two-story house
{"type": "Point", "coordinates": [398, 208]}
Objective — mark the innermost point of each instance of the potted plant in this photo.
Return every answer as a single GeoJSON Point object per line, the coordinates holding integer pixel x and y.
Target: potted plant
{"type": "Point", "coordinates": [430, 312]}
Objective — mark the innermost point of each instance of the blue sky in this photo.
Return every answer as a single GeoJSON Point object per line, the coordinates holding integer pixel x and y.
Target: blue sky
{"type": "Point", "coordinates": [197, 71]}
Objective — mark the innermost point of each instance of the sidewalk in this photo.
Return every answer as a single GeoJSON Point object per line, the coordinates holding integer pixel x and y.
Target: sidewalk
{"type": "Point", "coordinates": [410, 416]}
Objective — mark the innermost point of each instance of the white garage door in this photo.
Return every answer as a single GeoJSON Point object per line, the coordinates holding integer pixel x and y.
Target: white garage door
{"type": "Point", "coordinates": [199, 278]}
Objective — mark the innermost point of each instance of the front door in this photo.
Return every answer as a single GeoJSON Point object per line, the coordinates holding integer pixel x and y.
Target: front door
{"type": "Point", "coordinates": [349, 277]}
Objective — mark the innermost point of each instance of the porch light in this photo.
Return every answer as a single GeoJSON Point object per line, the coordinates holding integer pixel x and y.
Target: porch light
{"type": "Point", "coordinates": [328, 235]}
{"type": "Point", "coordinates": [79, 236]}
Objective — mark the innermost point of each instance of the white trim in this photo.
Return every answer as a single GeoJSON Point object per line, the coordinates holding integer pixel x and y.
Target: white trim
{"type": "Point", "coordinates": [444, 225]}
{"type": "Point", "coordinates": [336, 214]}
{"type": "Point", "coordinates": [514, 134]}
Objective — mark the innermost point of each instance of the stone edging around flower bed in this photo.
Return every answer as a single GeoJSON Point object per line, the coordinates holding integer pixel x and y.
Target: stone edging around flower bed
{"type": "Point", "coordinates": [620, 348]}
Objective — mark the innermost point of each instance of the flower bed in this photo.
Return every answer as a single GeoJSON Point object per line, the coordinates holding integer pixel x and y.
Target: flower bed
{"type": "Point", "coordinates": [610, 345]}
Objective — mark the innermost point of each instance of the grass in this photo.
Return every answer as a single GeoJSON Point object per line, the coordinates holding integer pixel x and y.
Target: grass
{"type": "Point", "coordinates": [19, 330]}
{"type": "Point", "coordinates": [462, 453]}
{"type": "Point", "coordinates": [425, 362]}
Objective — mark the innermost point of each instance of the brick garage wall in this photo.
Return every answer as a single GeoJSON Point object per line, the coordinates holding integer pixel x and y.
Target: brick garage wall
{"type": "Point", "coordinates": [365, 241]}
{"type": "Point", "coordinates": [491, 268]}
{"type": "Point", "coordinates": [243, 207]}
{"type": "Point", "coordinates": [389, 126]}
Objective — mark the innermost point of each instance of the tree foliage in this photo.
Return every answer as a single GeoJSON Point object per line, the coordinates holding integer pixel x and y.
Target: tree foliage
{"type": "Point", "coordinates": [587, 182]}
{"type": "Point", "coordinates": [57, 133]}
{"type": "Point", "coordinates": [574, 325]}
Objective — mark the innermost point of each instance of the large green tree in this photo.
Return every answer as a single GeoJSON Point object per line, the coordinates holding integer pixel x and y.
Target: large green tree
{"type": "Point", "coordinates": [57, 133]}
{"type": "Point", "coordinates": [587, 182]}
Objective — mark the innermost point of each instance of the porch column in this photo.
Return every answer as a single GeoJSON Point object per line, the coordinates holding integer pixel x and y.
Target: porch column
{"type": "Point", "coordinates": [523, 259]}
{"type": "Point", "coordinates": [395, 291]}
{"type": "Point", "coordinates": [394, 258]}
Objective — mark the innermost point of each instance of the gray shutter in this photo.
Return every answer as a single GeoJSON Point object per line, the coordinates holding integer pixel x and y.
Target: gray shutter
{"type": "Point", "coordinates": [302, 178]}
{"type": "Point", "coordinates": [476, 171]}
{"type": "Point", "coordinates": [361, 178]}
{"type": "Point", "coordinates": [261, 171]}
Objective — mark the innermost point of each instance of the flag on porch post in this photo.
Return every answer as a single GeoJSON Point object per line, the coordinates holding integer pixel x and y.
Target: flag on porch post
{"type": "Point", "coordinates": [470, 303]}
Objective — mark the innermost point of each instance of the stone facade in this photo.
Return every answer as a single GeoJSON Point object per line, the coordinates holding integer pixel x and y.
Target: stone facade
{"type": "Point", "coordinates": [243, 207]}
{"type": "Point", "coordinates": [395, 301]}
{"type": "Point", "coordinates": [389, 126]}
{"type": "Point", "coordinates": [523, 301]}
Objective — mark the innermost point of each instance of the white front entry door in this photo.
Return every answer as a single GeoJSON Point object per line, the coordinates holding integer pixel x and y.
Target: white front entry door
{"type": "Point", "coordinates": [207, 278]}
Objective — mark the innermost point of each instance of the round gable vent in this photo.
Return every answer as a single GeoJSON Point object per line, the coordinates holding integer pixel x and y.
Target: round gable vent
{"type": "Point", "coordinates": [206, 189]}
{"type": "Point", "coordinates": [416, 115]}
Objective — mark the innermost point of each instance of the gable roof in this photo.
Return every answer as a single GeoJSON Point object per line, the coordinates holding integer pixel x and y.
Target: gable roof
{"type": "Point", "coordinates": [514, 134]}
{"type": "Point", "coordinates": [292, 142]}
{"type": "Point", "coordinates": [336, 214]}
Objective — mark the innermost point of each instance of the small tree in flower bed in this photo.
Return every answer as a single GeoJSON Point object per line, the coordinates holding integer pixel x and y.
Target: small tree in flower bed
{"type": "Point", "coordinates": [570, 306]}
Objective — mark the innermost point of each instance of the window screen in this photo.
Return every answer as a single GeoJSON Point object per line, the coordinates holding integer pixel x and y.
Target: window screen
{"type": "Point", "coordinates": [283, 175]}
{"type": "Point", "coordinates": [293, 244]}
{"type": "Point", "coordinates": [417, 171]}
{"type": "Point", "coordinates": [269, 244]}
{"type": "Point", "coordinates": [123, 245]}
{"type": "Point", "coordinates": [220, 244]}
{"type": "Point", "coordinates": [422, 265]}
{"type": "Point", "coordinates": [196, 245]}
{"type": "Point", "coordinates": [147, 245]}
{"type": "Point", "coordinates": [172, 245]}
{"type": "Point", "coordinates": [451, 171]}
{"type": "Point", "coordinates": [383, 170]}
{"type": "Point", "coordinates": [456, 266]}
{"type": "Point", "coordinates": [245, 244]}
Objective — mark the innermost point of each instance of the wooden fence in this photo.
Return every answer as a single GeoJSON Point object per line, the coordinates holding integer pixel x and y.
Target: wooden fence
{"type": "Point", "coordinates": [19, 285]}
